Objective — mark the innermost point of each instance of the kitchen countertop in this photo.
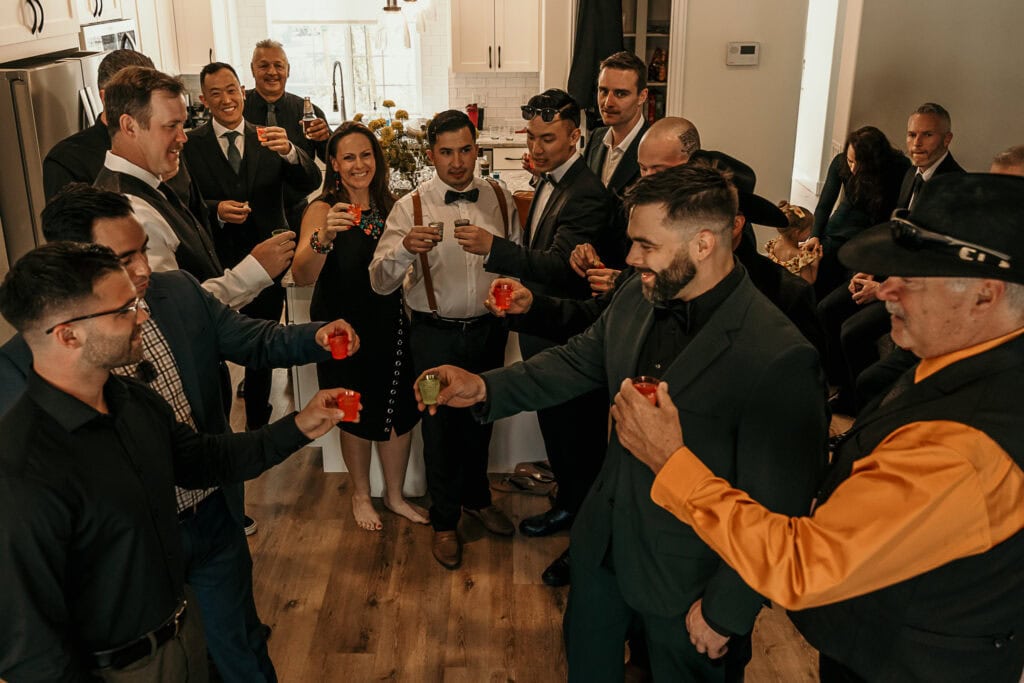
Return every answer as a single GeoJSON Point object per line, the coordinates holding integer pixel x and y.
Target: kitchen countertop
{"type": "Point", "coordinates": [485, 141]}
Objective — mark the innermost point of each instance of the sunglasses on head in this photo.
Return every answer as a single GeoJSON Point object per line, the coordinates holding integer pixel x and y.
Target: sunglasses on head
{"type": "Point", "coordinates": [546, 114]}
{"type": "Point", "coordinates": [912, 236]}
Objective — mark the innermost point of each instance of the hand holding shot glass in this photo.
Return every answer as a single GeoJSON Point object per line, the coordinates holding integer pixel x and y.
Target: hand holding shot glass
{"type": "Point", "coordinates": [342, 217]}
{"type": "Point", "coordinates": [648, 386]}
{"type": "Point", "coordinates": [339, 338]}
{"type": "Point", "coordinates": [348, 403]}
{"type": "Point", "coordinates": [508, 297]}
{"type": "Point", "coordinates": [448, 385]}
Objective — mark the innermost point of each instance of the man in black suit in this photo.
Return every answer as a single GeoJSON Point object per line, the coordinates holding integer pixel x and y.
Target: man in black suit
{"type": "Point", "coordinates": [929, 132]}
{"type": "Point", "coordinates": [612, 149]}
{"type": "Point", "coordinates": [269, 104]}
{"type": "Point", "coordinates": [242, 179]}
{"type": "Point", "coordinates": [197, 333]}
{"type": "Point", "coordinates": [750, 392]}
{"type": "Point", "coordinates": [569, 208]}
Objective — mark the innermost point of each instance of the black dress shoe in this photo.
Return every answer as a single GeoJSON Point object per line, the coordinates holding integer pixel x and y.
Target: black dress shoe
{"type": "Point", "coordinates": [546, 523]}
{"type": "Point", "coordinates": [557, 573]}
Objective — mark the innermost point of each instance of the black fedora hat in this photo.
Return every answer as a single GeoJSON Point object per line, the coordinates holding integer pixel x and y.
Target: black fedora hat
{"type": "Point", "coordinates": [962, 225]}
{"type": "Point", "coordinates": [755, 208]}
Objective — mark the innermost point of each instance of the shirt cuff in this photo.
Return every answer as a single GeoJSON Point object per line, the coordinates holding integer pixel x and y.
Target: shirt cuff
{"type": "Point", "coordinates": [252, 273]}
{"type": "Point", "coordinates": [292, 157]}
{"type": "Point", "coordinates": [680, 476]}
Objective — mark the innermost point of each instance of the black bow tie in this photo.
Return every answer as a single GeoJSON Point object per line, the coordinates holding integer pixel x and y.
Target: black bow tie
{"type": "Point", "coordinates": [548, 178]}
{"type": "Point", "coordinates": [469, 195]}
{"type": "Point", "coordinates": [678, 309]}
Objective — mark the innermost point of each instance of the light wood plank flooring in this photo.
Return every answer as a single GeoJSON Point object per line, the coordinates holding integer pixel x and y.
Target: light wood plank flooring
{"type": "Point", "coordinates": [352, 605]}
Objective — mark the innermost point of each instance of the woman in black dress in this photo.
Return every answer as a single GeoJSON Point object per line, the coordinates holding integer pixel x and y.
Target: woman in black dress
{"type": "Point", "coordinates": [339, 233]}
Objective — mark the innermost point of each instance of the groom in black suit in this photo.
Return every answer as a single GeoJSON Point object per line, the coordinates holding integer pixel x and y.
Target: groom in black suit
{"type": "Point", "coordinates": [242, 178]}
{"type": "Point", "coordinates": [749, 388]}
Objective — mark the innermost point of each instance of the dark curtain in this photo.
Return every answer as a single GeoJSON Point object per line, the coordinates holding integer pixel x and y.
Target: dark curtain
{"type": "Point", "coordinates": [598, 35]}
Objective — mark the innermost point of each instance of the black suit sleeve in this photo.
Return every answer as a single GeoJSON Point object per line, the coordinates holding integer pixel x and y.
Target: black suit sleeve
{"type": "Point", "coordinates": [303, 176]}
{"type": "Point", "coordinates": [55, 177]}
{"type": "Point", "coordinates": [780, 455]}
{"type": "Point", "coordinates": [560, 319]}
{"type": "Point", "coordinates": [829, 195]}
{"type": "Point", "coordinates": [583, 218]}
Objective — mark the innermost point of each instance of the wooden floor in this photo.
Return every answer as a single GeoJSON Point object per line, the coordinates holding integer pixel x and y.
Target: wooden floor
{"type": "Point", "coordinates": [352, 605]}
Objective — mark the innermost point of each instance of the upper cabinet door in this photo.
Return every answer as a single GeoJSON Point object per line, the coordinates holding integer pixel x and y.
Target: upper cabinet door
{"type": "Point", "coordinates": [517, 35]}
{"type": "Point", "coordinates": [473, 48]}
{"type": "Point", "coordinates": [91, 11]}
{"type": "Point", "coordinates": [60, 17]}
{"type": "Point", "coordinates": [17, 20]}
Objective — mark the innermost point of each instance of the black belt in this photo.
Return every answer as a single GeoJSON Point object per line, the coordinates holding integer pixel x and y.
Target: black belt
{"type": "Point", "coordinates": [193, 510]}
{"type": "Point", "coordinates": [145, 646]}
{"type": "Point", "coordinates": [450, 323]}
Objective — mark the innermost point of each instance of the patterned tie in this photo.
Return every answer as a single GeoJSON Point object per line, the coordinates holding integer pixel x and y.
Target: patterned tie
{"type": "Point", "coordinates": [271, 114]}
{"type": "Point", "coordinates": [234, 156]}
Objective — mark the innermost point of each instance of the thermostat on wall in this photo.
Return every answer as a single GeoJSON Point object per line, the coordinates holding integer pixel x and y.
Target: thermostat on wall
{"type": "Point", "coordinates": [743, 54]}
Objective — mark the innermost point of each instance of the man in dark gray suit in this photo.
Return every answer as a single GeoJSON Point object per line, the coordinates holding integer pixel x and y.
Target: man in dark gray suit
{"type": "Point", "coordinates": [191, 334]}
{"type": "Point", "coordinates": [749, 388]}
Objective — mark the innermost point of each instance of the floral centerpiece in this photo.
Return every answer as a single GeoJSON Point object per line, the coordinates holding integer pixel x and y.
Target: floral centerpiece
{"type": "Point", "coordinates": [405, 147]}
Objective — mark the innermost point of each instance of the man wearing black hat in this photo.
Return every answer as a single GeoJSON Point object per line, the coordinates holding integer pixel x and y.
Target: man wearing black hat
{"type": "Point", "coordinates": [753, 396]}
{"type": "Point", "coordinates": [909, 565]}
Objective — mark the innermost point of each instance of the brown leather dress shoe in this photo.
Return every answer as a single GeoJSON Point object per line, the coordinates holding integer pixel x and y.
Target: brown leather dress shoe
{"type": "Point", "coordinates": [447, 549]}
{"type": "Point", "coordinates": [494, 520]}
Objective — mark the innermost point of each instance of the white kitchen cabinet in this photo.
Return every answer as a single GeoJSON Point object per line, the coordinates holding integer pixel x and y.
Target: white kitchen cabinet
{"type": "Point", "coordinates": [157, 34]}
{"type": "Point", "coordinates": [33, 27]}
{"type": "Point", "coordinates": [495, 35]}
{"type": "Point", "coordinates": [92, 11]}
{"type": "Point", "coordinates": [206, 32]}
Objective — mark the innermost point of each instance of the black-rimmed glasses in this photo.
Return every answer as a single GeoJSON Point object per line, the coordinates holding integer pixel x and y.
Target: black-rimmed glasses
{"type": "Point", "coordinates": [546, 114]}
{"type": "Point", "coordinates": [912, 236]}
{"type": "Point", "coordinates": [132, 308]}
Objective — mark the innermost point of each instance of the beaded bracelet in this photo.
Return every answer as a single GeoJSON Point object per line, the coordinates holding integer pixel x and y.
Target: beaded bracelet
{"type": "Point", "coordinates": [319, 247]}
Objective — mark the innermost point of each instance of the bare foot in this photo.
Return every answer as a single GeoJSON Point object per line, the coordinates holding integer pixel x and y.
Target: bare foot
{"type": "Point", "coordinates": [411, 511]}
{"type": "Point", "coordinates": [366, 517]}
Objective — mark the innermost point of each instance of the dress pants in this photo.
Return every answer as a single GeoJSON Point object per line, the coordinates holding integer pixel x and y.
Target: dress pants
{"type": "Point", "coordinates": [851, 332]}
{"type": "Point", "coordinates": [576, 438]}
{"type": "Point", "coordinates": [218, 567]}
{"type": "Point", "coordinates": [597, 619]}
{"type": "Point", "coordinates": [266, 306]}
{"type": "Point", "coordinates": [455, 445]}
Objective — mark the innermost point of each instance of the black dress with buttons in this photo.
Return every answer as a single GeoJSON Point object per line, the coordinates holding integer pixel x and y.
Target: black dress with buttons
{"type": "Point", "coordinates": [381, 371]}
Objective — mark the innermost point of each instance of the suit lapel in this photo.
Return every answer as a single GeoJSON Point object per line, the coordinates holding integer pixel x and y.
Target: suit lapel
{"type": "Point", "coordinates": [218, 163]}
{"type": "Point", "coordinates": [165, 314]}
{"type": "Point", "coordinates": [595, 159]}
{"type": "Point", "coordinates": [555, 202]}
{"type": "Point", "coordinates": [628, 166]}
{"type": "Point", "coordinates": [253, 153]}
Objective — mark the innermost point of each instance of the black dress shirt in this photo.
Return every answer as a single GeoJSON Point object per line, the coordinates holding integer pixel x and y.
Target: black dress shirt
{"type": "Point", "coordinates": [90, 550]}
{"type": "Point", "coordinates": [677, 322]}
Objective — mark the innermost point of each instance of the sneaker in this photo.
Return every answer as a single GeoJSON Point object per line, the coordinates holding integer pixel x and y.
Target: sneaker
{"type": "Point", "coordinates": [250, 525]}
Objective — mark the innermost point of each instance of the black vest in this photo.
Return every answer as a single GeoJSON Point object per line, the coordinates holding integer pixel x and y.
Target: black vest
{"type": "Point", "coordinates": [963, 621]}
{"type": "Point", "coordinates": [195, 253]}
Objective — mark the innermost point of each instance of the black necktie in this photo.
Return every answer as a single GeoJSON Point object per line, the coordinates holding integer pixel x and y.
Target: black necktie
{"type": "Point", "coordinates": [271, 114]}
{"type": "Point", "coordinates": [234, 156]}
{"type": "Point", "coordinates": [469, 195]}
{"type": "Point", "coordinates": [915, 188]}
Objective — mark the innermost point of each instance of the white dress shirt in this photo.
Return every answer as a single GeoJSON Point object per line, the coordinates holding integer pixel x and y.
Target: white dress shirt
{"type": "Point", "coordinates": [927, 174]}
{"type": "Point", "coordinates": [461, 284]}
{"type": "Point", "coordinates": [615, 152]}
{"type": "Point", "coordinates": [544, 193]}
{"type": "Point", "coordinates": [237, 287]}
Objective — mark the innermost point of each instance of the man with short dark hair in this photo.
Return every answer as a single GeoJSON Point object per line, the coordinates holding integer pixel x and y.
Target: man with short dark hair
{"type": "Point", "coordinates": [188, 335]}
{"type": "Point", "coordinates": [243, 178]}
{"type": "Point", "coordinates": [445, 287]}
{"type": "Point", "coordinates": [908, 566]}
{"type": "Point", "coordinates": [269, 104]}
{"type": "Point", "coordinates": [145, 117]}
{"type": "Point", "coordinates": [929, 132]}
{"type": "Point", "coordinates": [91, 552]}
{"type": "Point", "coordinates": [751, 393]}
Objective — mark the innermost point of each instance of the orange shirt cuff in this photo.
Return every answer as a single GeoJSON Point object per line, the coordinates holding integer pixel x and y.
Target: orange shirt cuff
{"type": "Point", "coordinates": [680, 476]}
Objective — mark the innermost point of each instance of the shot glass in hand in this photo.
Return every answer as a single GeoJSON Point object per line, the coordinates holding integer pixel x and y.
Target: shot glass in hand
{"type": "Point", "coordinates": [648, 386]}
{"type": "Point", "coordinates": [356, 211]}
{"type": "Point", "coordinates": [438, 227]}
{"type": "Point", "coordinates": [261, 133]}
{"type": "Point", "coordinates": [430, 387]}
{"type": "Point", "coordinates": [339, 346]}
{"type": "Point", "coordinates": [502, 293]}
{"type": "Point", "coordinates": [348, 402]}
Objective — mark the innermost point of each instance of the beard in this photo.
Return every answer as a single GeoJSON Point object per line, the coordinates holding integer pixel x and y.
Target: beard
{"type": "Point", "coordinates": [110, 351]}
{"type": "Point", "coordinates": [669, 281]}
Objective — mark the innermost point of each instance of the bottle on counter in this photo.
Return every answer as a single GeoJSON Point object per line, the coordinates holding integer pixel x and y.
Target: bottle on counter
{"type": "Point", "coordinates": [308, 116]}
{"type": "Point", "coordinates": [497, 177]}
{"type": "Point", "coordinates": [485, 166]}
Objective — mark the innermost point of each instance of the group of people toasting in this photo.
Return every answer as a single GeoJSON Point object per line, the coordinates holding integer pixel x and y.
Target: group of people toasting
{"type": "Point", "coordinates": [121, 519]}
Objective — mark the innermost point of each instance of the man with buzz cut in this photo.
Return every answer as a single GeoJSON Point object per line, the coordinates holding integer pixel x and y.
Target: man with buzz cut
{"type": "Point", "coordinates": [445, 286]}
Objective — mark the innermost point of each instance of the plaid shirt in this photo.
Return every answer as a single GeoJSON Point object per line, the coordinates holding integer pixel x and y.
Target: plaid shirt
{"type": "Point", "coordinates": [159, 370]}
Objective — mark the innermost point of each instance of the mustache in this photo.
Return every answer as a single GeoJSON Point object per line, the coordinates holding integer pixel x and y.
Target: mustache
{"type": "Point", "coordinates": [893, 308]}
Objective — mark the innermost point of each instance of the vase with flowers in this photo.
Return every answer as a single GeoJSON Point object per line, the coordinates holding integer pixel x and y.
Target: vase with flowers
{"type": "Point", "coordinates": [404, 145]}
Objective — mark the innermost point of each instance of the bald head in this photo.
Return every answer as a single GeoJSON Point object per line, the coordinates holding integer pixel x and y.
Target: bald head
{"type": "Point", "coordinates": [1010, 162]}
{"type": "Point", "coordinates": [667, 143]}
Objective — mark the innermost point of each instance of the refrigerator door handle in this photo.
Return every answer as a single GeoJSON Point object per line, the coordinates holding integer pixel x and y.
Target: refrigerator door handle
{"type": "Point", "coordinates": [35, 16]}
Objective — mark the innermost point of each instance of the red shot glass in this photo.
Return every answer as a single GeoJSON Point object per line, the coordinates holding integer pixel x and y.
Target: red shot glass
{"type": "Point", "coordinates": [339, 345]}
{"type": "Point", "coordinates": [356, 211]}
{"type": "Point", "coordinates": [502, 293]}
{"type": "Point", "coordinates": [648, 386]}
{"type": "Point", "coordinates": [261, 133]}
{"type": "Point", "coordinates": [348, 402]}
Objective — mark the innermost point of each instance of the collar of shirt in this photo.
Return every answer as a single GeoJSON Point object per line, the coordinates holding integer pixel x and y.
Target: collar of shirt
{"type": "Point", "coordinates": [66, 410]}
{"type": "Point", "coordinates": [929, 366]}
{"type": "Point", "coordinates": [219, 130]}
{"type": "Point", "coordinates": [626, 141]}
{"type": "Point", "coordinates": [121, 165]}
{"type": "Point", "coordinates": [697, 311]}
{"type": "Point", "coordinates": [927, 174]}
{"type": "Point", "coordinates": [559, 172]}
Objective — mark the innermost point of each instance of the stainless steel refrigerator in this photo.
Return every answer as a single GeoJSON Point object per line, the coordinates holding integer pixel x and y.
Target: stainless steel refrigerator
{"type": "Point", "coordinates": [42, 101]}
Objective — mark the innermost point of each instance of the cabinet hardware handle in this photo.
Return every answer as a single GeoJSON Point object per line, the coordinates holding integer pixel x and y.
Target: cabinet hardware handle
{"type": "Point", "coordinates": [103, 6]}
{"type": "Point", "coordinates": [35, 17]}
{"type": "Point", "coordinates": [490, 62]}
{"type": "Point", "coordinates": [499, 56]}
{"type": "Point", "coordinates": [42, 15]}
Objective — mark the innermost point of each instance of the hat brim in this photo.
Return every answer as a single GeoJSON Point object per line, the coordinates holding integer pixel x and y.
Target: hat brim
{"type": "Point", "coordinates": [874, 251]}
{"type": "Point", "coordinates": [759, 210]}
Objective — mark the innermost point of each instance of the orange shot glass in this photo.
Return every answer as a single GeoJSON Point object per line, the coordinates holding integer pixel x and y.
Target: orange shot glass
{"type": "Point", "coordinates": [261, 133]}
{"type": "Point", "coordinates": [339, 346]}
{"type": "Point", "coordinates": [356, 212]}
{"type": "Point", "coordinates": [648, 386]}
{"type": "Point", "coordinates": [502, 293]}
{"type": "Point", "coordinates": [348, 402]}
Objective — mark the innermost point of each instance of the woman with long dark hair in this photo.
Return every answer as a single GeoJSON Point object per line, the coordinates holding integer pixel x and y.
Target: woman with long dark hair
{"type": "Point", "coordinates": [339, 233]}
{"type": "Point", "coordinates": [869, 172]}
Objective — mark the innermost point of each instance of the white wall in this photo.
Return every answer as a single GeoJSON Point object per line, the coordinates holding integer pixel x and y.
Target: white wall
{"type": "Point", "coordinates": [748, 112]}
{"type": "Point", "coordinates": [963, 55]}
{"type": "Point", "coordinates": [813, 128]}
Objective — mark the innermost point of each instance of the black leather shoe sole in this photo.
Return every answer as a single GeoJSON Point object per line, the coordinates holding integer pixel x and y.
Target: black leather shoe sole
{"type": "Point", "coordinates": [557, 573]}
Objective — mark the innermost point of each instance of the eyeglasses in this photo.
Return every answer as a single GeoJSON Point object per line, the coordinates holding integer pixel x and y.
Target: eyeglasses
{"type": "Point", "coordinates": [132, 308]}
{"type": "Point", "coordinates": [546, 114]}
{"type": "Point", "coordinates": [912, 236]}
